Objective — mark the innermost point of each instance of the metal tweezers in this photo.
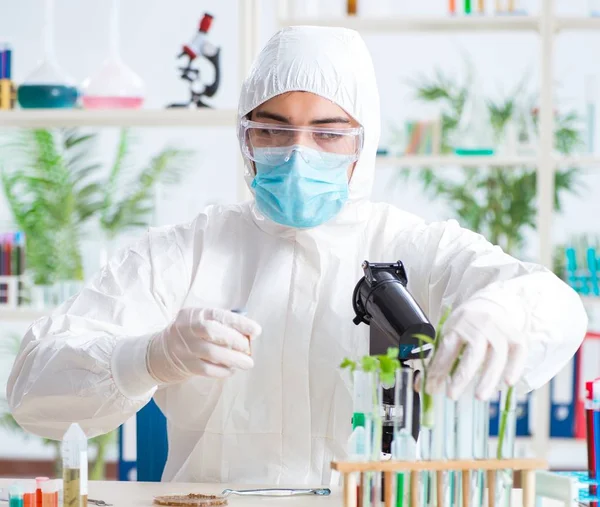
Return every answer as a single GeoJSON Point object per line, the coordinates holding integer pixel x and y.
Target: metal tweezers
{"type": "Point", "coordinates": [101, 503]}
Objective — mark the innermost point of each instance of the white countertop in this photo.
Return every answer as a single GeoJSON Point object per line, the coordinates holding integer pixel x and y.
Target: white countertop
{"type": "Point", "coordinates": [141, 494]}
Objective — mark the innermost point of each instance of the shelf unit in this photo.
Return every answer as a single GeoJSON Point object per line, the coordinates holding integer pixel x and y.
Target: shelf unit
{"type": "Point", "coordinates": [28, 118]}
{"type": "Point", "coordinates": [546, 25]}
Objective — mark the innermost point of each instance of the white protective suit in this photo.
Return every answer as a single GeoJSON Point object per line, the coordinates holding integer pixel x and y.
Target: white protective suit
{"type": "Point", "coordinates": [284, 420]}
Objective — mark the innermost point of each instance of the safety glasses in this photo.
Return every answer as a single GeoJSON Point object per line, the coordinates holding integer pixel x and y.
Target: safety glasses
{"type": "Point", "coordinates": [274, 144]}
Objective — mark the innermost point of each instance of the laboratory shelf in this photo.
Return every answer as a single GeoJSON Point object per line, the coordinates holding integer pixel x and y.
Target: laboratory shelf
{"type": "Point", "coordinates": [455, 161]}
{"type": "Point", "coordinates": [22, 314]}
{"type": "Point", "coordinates": [428, 24]}
{"type": "Point", "coordinates": [578, 23]}
{"type": "Point", "coordinates": [579, 160]}
{"type": "Point", "coordinates": [43, 118]}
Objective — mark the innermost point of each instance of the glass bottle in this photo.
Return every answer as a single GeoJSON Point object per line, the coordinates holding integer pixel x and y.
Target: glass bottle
{"type": "Point", "coordinates": [47, 86]}
{"type": "Point", "coordinates": [352, 7]}
{"type": "Point", "coordinates": [114, 85]}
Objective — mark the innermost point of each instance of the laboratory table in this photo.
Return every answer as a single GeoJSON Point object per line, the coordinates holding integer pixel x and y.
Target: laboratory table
{"type": "Point", "coordinates": [140, 494]}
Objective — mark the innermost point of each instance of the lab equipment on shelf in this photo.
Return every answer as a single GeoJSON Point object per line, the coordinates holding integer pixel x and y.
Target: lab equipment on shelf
{"type": "Point", "coordinates": [48, 86]}
{"type": "Point", "coordinates": [583, 267]}
{"type": "Point", "coordinates": [512, 7]}
{"type": "Point", "coordinates": [8, 92]}
{"type": "Point", "coordinates": [114, 85]}
{"type": "Point", "coordinates": [200, 46]}
{"type": "Point", "coordinates": [474, 134]}
{"type": "Point", "coordinates": [594, 8]}
{"type": "Point", "coordinates": [12, 269]}
{"type": "Point", "coordinates": [75, 467]}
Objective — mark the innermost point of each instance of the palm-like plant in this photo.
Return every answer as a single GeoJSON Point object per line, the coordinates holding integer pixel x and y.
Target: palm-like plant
{"type": "Point", "coordinates": [498, 202]}
{"type": "Point", "coordinates": [128, 196]}
{"type": "Point", "coordinates": [52, 194]}
{"type": "Point", "coordinates": [54, 191]}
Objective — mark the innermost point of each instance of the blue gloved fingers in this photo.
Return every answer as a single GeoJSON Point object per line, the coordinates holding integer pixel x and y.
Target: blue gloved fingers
{"type": "Point", "coordinates": [471, 360]}
{"type": "Point", "coordinates": [441, 364]}
{"type": "Point", "coordinates": [517, 354]}
{"type": "Point", "coordinates": [493, 368]}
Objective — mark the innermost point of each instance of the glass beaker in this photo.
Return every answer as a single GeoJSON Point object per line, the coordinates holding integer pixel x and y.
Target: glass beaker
{"type": "Point", "coordinates": [47, 86]}
{"type": "Point", "coordinates": [526, 138]}
{"type": "Point", "coordinates": [474, 134]}
{"type": "Point", "coordinates": [114, 85]}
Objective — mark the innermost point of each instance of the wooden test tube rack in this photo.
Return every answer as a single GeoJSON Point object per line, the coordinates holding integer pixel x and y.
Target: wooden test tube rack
{"type": "Point", "coordinates": [527, 468]}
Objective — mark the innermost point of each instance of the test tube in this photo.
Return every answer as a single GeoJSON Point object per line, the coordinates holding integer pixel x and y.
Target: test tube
{"type": "Point", "coordinates": [75, 467]}
{"type": "Point", "coordinates": [59, 493]}
{"type": "Point", "coordinates": [15, 496]}
{"type": "Point", "coordinates": [365, 441]}
{"type": "Point", "coordinates": [403, 444]}
{"type": "Point", "coordinates": [506, 445]}
{"type": "Point", "coordinates": [49, 494]}
{"type": "Point", "coordinates": [592, 415]}
{"type": "Point", "coordinates": [38, 490]}
{"type": "Point", "coordinates": [29, 493]}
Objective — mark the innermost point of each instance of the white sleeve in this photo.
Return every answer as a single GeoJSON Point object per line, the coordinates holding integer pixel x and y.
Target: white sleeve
{"type": "Point", "coordinates": [86, 362]}
{"type": "Point", "coordinates": [534, 304]}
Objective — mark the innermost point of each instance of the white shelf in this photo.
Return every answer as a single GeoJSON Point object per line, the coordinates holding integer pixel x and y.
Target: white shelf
{"type": "Point", "coordinates": [472, 23]}
{"type": "Point", "coordinates": [580, 160]}
{"type": "Point", "coordinates": [42, 118]}
{"type": "Point", "coordinates": [454, 161]}
{"type": "Point", "coordinates": [22, 314]}
{"type": "Point", "coordinates": [579, 23]}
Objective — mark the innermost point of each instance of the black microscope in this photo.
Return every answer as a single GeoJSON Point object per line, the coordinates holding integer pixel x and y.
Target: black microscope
{"type": "Point", "coordinates": [382, 301]}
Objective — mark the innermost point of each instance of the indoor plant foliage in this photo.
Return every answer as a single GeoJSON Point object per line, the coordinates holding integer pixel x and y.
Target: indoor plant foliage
{"type": "Point", "coordinates": [55, 193]}
{"type": "Point", "coordinates": [498, 202]}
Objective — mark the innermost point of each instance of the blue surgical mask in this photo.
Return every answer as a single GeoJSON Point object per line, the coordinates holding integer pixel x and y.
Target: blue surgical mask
{"type": "Point", "coordinates": [300, 194]}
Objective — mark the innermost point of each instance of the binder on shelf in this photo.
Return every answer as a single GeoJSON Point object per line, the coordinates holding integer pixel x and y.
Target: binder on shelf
{"type": "Point", "coordinates": [563, 393]}
{"type": "Point", "coordinates": [523, 420]}
{"type": "Point", "coordinates": [494, 415]}
{"type": "Point", "coordinates": [523, 428]}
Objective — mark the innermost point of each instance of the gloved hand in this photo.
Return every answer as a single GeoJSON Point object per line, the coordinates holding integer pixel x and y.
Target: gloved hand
{"type": "Point", "coordinates": [206, 342]}
{"type": "Point", "coordinates": [487, 333]}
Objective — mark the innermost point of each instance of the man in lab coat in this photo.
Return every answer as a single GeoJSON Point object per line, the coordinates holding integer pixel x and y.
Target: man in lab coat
{"type": "Point", "coordinates": [155, 322]}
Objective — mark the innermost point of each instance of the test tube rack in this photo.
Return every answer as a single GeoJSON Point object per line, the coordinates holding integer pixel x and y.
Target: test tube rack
{"type": "Point", "coordinates": [525, 466]}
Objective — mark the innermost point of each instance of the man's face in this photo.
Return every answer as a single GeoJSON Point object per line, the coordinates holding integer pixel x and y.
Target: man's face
{"type": "Point", "coordinates": [304, 109]}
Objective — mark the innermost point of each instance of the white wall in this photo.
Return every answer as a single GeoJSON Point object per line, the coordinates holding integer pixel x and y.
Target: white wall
{"type": "Point", "coordinates": [154, 30]}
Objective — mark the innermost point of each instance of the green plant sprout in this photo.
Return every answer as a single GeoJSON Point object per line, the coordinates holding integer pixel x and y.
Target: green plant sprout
{"type": "Point", "coordinates": [427, 400]}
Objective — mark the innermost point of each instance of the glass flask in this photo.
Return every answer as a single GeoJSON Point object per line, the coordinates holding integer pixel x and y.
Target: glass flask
{"type": "Point", "coordinates": [525, 130]}
{"type": "Point", "coordinates": [474, 134]}
{"type": "Point", "coordinates": [114, 85]}
{"type": "Point", "coordinates": [47, 86]}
